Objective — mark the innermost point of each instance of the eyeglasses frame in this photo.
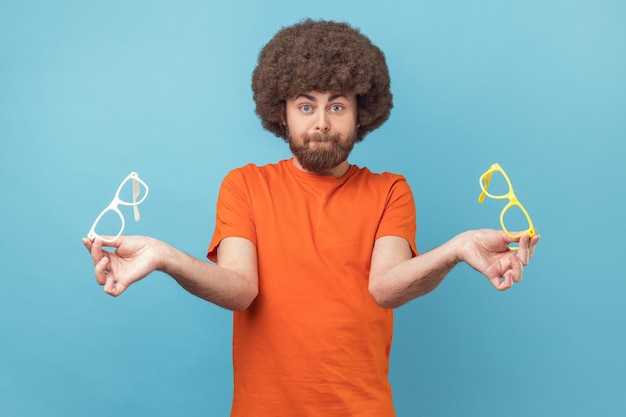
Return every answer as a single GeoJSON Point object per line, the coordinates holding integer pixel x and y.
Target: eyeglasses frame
{"type": "Point", "coordinates": [484, 181]}
{"type": "Point", "coordinates": [116, 202]}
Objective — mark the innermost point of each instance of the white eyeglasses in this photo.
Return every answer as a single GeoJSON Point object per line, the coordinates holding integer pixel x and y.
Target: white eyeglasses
{"type": "Point", "coordinates": [117, 201]}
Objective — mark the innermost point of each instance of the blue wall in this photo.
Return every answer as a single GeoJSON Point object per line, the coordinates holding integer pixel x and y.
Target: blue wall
{"type": "Point", "coordinates": [90, 91]}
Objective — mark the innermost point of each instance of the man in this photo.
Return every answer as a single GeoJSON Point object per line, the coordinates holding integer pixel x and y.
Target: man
{"type": "Point", "coordinates": [312, 253]}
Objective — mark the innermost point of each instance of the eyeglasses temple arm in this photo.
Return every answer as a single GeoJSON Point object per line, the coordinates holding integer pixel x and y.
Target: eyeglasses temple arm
{"type": "Point", "coordinates": [136, 192]}
{"type": "Point", "coordinates": [487, 179]}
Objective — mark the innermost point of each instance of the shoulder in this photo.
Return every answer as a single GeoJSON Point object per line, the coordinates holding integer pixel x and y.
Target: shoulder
{"type": "Point", "coordinates": [254, 180]}
{"type": "Point", "coordinates": [382, 179]}
{"type": "Point", "coordinates": [367, 173]}
{"type": "Point", "coordinates": [251, 172]}
{"type": "Point", "coordinates": [253, 169]}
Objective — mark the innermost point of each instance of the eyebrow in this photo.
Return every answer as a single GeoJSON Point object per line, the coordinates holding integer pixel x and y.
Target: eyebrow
{"type": "Point", "coordinates": [331, 98]}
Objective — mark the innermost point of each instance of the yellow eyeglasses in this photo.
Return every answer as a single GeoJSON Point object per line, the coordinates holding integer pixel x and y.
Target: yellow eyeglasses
{"type": "Point", "coordinates": [485, 180]}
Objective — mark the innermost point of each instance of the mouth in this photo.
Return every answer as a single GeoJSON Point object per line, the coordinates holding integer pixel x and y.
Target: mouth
{"type": "Point", "coordinates": [319, 139]}
{"type": "Point", "coordinates": [315, 144]}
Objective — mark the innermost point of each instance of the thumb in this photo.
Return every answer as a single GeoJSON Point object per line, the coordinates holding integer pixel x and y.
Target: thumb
{"type": "Point", "coordinates": [110, 241]}
{"type": "Point", "coordinates": [87, 243]}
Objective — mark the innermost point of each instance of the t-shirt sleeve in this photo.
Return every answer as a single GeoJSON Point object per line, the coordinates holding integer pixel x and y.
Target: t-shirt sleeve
{"type": "Point", "coordinates": [233, 213]}
{"type": "Point", "coordinates": [399, 217]}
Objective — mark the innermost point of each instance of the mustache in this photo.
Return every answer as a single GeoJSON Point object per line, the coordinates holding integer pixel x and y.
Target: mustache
{"type": "Point", "coordinates": [320, 137]}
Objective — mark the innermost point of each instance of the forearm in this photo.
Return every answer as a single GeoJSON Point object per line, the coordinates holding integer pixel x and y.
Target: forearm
{"type": "Point", "coordinates": [414, 277]}
{"type": "Point", "coordinates": [233, 290]}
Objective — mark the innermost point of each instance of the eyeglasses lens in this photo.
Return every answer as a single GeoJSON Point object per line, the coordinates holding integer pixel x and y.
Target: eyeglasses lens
{"type": "Point", "coordinates": [498, 186]}
{"type": "Point", "coordinates": [129, 187]}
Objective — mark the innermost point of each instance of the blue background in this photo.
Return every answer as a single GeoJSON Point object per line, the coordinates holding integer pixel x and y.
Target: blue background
{"type": "Point", "coordinates": [91, 90]}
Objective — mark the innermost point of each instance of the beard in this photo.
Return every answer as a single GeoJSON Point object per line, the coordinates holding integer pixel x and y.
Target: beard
{"type": "Point", "coordinates": [325, 157]}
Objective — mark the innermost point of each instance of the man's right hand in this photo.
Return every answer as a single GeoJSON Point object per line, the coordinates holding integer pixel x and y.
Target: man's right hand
{"type": "Point", "coordinates": [133, 258]}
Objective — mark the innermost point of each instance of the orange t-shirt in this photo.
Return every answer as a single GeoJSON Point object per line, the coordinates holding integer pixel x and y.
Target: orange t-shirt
{"type": "Point", "coordinates": [314, 342]}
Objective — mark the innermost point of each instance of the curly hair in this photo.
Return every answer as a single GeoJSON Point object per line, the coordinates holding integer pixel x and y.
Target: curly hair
{"type": "Point", "coordinates": [323, 56]}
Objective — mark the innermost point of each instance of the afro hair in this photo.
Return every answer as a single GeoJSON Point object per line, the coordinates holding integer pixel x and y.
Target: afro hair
{"type": "Point", "coordinates": [322, 56]}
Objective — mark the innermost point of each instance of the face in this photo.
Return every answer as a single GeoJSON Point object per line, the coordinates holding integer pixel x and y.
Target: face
{"type": "Point", "coordinates": [321, 128]}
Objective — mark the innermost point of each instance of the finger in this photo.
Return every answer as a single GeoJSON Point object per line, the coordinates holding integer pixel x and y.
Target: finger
{"type": "Point", "coordinates": [98, 245]}
{"type": "Point", "coordinates": [503, 280]}
{"type": "Point", "coordinates": [508, 272]}
{"type": "Point", "coordinates": [523, 253]}
{"type": "Point", "coordinates": [101, 270]}
{"type": "Point", "coordinates": [114, 288]}
{"type": "Point", "coordinates": [502, 283]}
{"type": "Point", "coordinates": [111, 241]}
{"type": "Point", "coordinates": [108, 241]}
{"type": "Point", "coordinates": [496, 282]}
{"type": "Point", "coordinates": [96, 251]}
{"type": "Point", "coordinates": [509, 239]}
{"type": "Point", "coordinates": [533, 242]}
{"type": "Point", "coordinates": [507, 281]}
{"type": "Point", "coordinates": [109, 286]}
{"type": "Point", "coordinates": [87, 243]}
{"type": "Point", "coordinates": [517, 270]}
{"type": "Point", "coordinates": [515, 265]}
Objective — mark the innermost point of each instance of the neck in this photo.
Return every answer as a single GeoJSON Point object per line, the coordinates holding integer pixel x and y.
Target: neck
{"type": "Point", "coordinates": [336, 171]}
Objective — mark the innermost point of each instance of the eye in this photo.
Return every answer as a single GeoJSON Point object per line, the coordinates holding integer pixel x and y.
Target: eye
{"type": "Point", "coordinates": [336, 108]}
{"type": "Point", "coordinates": [306, 108]}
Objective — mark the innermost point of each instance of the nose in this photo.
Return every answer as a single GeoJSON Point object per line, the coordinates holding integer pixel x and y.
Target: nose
{"type": "Point", "coordinates": [322, 123]}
